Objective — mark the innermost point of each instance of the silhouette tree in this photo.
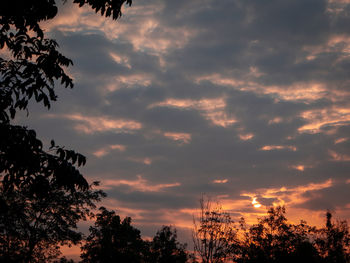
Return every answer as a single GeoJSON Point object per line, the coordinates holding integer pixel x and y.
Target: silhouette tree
{"type": "Point", "coordinates": [213, 233]}
{"type": "Point", "coordinates": [165, 248]}
{"type": "Point", "coordinates": [43, 194]}
{"type": "Point", "coordinates": [274, 240]}
{"type": "Point", "coordinates": [333, 241]}
{"type": "Point", "coordinates": [271, 240]}
{"type": "Point", "coordinates": [30, 65]}
{"type": "Point", "coordinates": [38, 216]}
{"type": "Point", "coordinates": [113, 240]}
{"type": "Point", "coordinates": [33, 63]}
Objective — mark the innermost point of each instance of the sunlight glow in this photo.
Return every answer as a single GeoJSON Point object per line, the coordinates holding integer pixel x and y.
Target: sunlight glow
{"type": "Point", "coordinates": [255, 203]}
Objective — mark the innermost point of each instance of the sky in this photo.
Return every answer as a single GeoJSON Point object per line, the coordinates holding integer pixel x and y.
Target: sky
{"type": "Point", "coordinates": [245, 101]}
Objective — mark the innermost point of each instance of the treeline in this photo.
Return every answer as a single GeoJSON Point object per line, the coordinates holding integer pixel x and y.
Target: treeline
{"type": "Point", "coordinates": [216, 238]}
{"type": "Point", "coordinates": [273, 239]}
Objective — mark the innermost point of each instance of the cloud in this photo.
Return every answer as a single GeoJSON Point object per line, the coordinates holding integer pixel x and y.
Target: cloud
{"type": "Point", "coordinates": [299, 91]}
{"type": "Point", "coordinates": [139, 184]}
{"type": "Point", "coordinates": [278, 147]}
{"type": "Point", "coordinates": [178, 136]}
{"type": "Point", "coordinates": [339, 157]}
{"type": "Point", "coordinates": [320, 118]}
{"type": "Point", "coordinates": [213, 109]}
{"type": "Point", "coordinates": [289, 196]}
{"type": "Point", "coordinates": [220, 181]}
{"type": "Point", "coordinates": [106, 150]}
{"type": "Point", "coordinates": [92, 124]}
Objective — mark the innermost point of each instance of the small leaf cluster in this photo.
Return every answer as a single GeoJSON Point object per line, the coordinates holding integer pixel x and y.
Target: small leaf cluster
{"type": "Point", "coordinates": [33, 63]}
{"type": "Point", "coordinates": [106, 7]}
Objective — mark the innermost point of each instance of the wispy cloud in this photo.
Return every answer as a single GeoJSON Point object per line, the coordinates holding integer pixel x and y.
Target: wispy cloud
{"type": "Point", "coordinates": [180, 137]}
{"type": "Point", "coordinates": [106, 150]}
{"type": "Point", "coordinates": [278, 147]}
{"type": "Point", "coordinates": [93, 124]}
{"type": "Point", "coordinates": [212, 109]}
{"type": "Point", "coordinates": [140, 184]}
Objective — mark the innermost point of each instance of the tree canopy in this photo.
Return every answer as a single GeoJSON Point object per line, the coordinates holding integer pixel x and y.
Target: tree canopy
{"type": "Point", "coordinates": [165, 248]}
{"type": "Point", "coordinates": [113, 240]}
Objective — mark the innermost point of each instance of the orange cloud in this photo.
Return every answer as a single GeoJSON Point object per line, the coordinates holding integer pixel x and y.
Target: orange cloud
{"type": "Point", "coordinates": [140, 184]}
{"type": "Point", "coordinates": [146, 161]}
{"type": "Point", "coordinates": [126, 81]}
{"type": "Point", "coordinates": [340, 140]}
{"type": "Point", "coordinates": [275, 120]}
{"type": "Point", "coordinates": [222, 181]}
{"type": "Point", "coordinates": [336, 42]}
{"type": "Point", "coordinates": [319, 118]}
{"type": "Point", "coordinates": [289, 196]}
{"type": "Point", "coordinates": [181, 218]}
{"type": "Point", "coordinates": [106, 150]}
{"type": "Point", "coordinates": [246, 137]}
{"type": "Point", "coordinates": [212, 109]}
{"type": "Point", "coordinates": [89, 125]}
{"type": "Point", "coordinates": [160, 42]}
{"type": "Point", "coordinates": [278, 147]}
{"type": "Point", "coordinates": [307, 91]}
{"type": "Point", "coordinates": [339, 157]}
{"type": "Point", "coordinates": [299, 167]}
{"type": "Point", "coordinates": [181, 137]}
{"type": "Point", "coordinates": [120, 59]}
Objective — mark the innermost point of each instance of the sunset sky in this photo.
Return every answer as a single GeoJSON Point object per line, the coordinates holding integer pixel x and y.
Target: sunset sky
{"type": "Point", "coordinates": [247, 101]}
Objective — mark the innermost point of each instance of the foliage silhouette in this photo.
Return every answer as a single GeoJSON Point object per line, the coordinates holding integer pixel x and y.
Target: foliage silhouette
{"type": "Point", "coordinates": [333, 241]}
{"type": "Point", "coordinates": [213, 233]}
{"type": "Point", "coordinates": [35, 62]}
{"type": "Point", "coordinates": [165, 248]}
{"type": "Point", "coordinates": [271, 240]}
{"type": "Point", "coordinates": [35, 183]}
{"type": "Point", "coordinates": [113, 240]}
{"type": "Point", "coordinates": [34, 223]}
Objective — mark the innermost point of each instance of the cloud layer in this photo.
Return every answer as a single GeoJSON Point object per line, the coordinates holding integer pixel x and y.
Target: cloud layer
{"type": "Point", "coordinates": [247, 101]}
